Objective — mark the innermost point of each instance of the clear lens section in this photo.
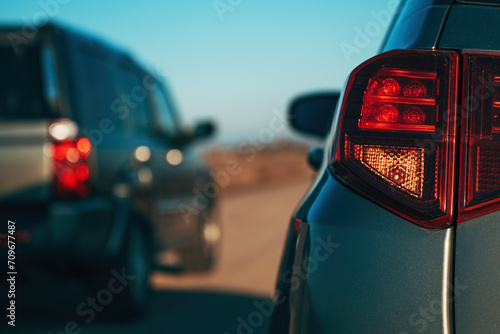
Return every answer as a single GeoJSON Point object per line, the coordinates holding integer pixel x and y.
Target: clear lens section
{"type": "Point", "coordinates": [401, 166]}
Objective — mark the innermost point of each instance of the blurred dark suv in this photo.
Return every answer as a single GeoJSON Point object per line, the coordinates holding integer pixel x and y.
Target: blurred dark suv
{"type": "Point", "coordinates": [97, 172]}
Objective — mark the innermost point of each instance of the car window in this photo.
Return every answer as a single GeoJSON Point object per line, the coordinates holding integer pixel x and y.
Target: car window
{"type": "Point", "coordinates": [96, 90]}
{"type": "Point", "coordinates": [21, 88]}
{"type": "Point", "coordinates": [133, 100]}
{"type": "Point", "coordinates": [164, 114]}
{"type": "Point", "coordinates": [50, 81]}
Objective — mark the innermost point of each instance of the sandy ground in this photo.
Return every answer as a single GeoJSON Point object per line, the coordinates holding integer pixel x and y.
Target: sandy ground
{"type": "Point", "coordinates": [254, 227]}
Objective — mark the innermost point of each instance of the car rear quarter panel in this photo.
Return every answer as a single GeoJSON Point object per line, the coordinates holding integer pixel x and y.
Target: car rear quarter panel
{"type": "Point", "coordinates": [383, 274]}
{"type": "Point", "coordinates": [477, 269]}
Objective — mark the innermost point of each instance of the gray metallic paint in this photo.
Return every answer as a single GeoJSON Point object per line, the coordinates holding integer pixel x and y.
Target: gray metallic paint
{"type": "Point", "coordinates": [477, 268]}
{"type": "Point", "coordinates": [386, 276]}
{"type": "Point", "coordinates": [472, 28]}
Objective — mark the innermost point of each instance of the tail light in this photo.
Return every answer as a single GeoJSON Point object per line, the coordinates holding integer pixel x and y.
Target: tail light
{"type": "Point", "coordinates": [397, 134]}
{"type": "Point", "coordinates": [404, 142]}
{"type": "Point", "coordinates": [71, 170]}
{"type": "Point", "coordinates": [480, 144]}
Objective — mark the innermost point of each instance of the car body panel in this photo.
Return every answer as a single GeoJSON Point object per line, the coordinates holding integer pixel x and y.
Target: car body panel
{"type": "Point", "coordinates": [27, 106]}
{"type": "Point", "coordinates": [63, 229]}
{"type": "Point", "coordinates": [471, 27]}
{"type": "Point", "coordinates": [24, 164]}
{"type": "Point", "coordinates": [384, 274]}
{"type": "Point", "coordinates": [477, 270]}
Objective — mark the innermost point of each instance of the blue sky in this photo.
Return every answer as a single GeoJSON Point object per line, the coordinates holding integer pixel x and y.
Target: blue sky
{"type": "Point", "coordinates": [234, 61]}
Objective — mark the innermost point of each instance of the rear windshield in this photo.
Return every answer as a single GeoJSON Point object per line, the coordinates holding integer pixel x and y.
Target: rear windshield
{"type": "Point", "coordinates": [480, 2]}
{"type": "Point", "coordinates": [21, 89]}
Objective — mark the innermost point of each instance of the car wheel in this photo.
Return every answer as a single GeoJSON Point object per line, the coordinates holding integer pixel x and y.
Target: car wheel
{"type": "Point", "coordinates": [125, 282]}
{"type": "Point", "coordinates": [202, 255]}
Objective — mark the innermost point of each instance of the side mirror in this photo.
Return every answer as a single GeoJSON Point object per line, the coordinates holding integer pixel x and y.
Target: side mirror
{"type": "Point", "coordinates": [203, 130]}
{"type": "Point", "coordinates": [315, 158]}
{"type": "Point", "coordinates": [313, 114]}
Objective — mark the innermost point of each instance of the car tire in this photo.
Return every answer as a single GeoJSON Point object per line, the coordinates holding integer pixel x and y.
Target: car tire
{"type": "Point", "coordinates": [202, 254]}
{"type": "Point", "coordinates": [128, 276]}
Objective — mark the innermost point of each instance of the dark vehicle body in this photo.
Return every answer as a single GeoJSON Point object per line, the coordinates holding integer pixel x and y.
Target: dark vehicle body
{"type": "Point", "coordinates": [133, 199]}
{"type": "Point", "coordinates": [350, 265]}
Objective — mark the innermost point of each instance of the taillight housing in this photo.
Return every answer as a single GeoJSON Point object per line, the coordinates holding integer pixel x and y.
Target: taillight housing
{"type": "Point", "coordinates": [397, 132]}
{"type": "Point", "coordinates": [480, 135]}
{"type": "Point", "coordinates": [71, 169]}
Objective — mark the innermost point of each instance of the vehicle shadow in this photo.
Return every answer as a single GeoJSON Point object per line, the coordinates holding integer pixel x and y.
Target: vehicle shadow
{"type": "Point", "coordinates": [52, 310]}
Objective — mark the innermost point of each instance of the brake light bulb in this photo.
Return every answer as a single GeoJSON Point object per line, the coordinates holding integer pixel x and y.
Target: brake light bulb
{"type": "Point", "coordinates": [60, 150]}
{"type": "Point", "coordinates": [414, 115]}
{"type": "Point", "coordinates": [68, 178]}
{"type": "Point", "coordinates": [389, 87]}
{"type": "Point", "coordinates": [82, 172]}
{"type": "Point", "coordinates": [415, 88]}
{"type": "Point", "coordinates": [83, 145]}
{"type": "Point", "coordinates": [72, 155]}
{"type": "Point", "coordinates": [387, 114]}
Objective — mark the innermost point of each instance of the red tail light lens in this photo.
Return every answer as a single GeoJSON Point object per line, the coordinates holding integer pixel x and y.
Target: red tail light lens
{"type": "Point", "coordinates": [71, 172]}
{"type": "Point", "coordinates": [397, 137]}
{"type": "Point", "coordinates": [400, 100]}
{"type": "Point", "coordinates": [397, 133]}
{"type": "Point", "coordinates": [480, 144]}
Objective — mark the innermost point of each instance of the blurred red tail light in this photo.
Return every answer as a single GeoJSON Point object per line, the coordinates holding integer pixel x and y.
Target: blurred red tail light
{"type": "Point", "coordinates": [70, 166]}
{"type": "Point", "coordinates": [397, 133]}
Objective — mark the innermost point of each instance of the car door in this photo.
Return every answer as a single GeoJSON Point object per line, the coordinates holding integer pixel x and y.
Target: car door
{"type": "Point", "coordinates": [176, 203]}
{"type": "Point", "coordinates": [93, 98]}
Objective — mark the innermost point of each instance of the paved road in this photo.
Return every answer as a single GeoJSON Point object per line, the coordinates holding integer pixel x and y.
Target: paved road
{"type": "Point", "coordinates": [221, 302]}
